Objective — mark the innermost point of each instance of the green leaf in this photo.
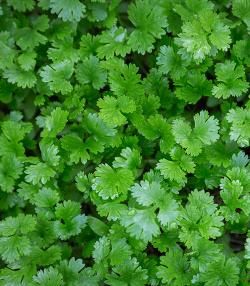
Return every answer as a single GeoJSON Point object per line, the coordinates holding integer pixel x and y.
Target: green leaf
{"type": "Point", "coordinates": [13, 248]}
{"type": "Point", "coordinates": [149, 22]}
{"type": "Point", "coordinates": [10, 170]}
{"type": "Point", "coordinates": [55, 122]}
{"type": "Point", "coordinates": [82, 182]}
{"type": "Point", "coordinates": [129, 159]}
{"type": "Point", "coordinates": [200, 218]}
{"type": "Point", "coordinates": [62, 50]}
{"type": "Point", "coordinates": [29, 38]}
{"type": "Point", "coordinates": [168, 211]}
{"type": "Point", "coordinates": [21, 6]}
{"type": "Point", "coordinates": [231, 80]}
{"type": "Point", "coordinates": [57, 76]}
{"type": "Point", "coordinates": [100, 131]}
{"type": "Point", "coordinates": [241, 9]}
{"type": "Point", "coordinates": [27, 60]}
{"type": "Point", "coordinates": [98, 226]}
{"type": "Point", "coordinates": [111, 183]}
{"type": "Point", "coordinates": [175, 268]}
{"type": "Point", "coordinates": [239, 120]}
{"type": "Point", "coordinates": [120, 251]}
{"type": "Point", "coordinates": [70, 270]}
{"type": "Point", "coordinates": [147, 193]}
{"type": "Point", "coordinates": [48, 277]}
{"type": "Point", "coordinates": [112, 210]}
{"type": "Point", "coordinates": [114, 42]}
{"type": "Point", "coordinates": [192, 87]}
{"type": "Point", "coordinates": [39, 173]}
{"type": "Point", "coordinates": [204, 35]}
{"type": "Point", "coordinates": [15, 131]}
{"type": "Point", "coordinates": [171, 170]}
{"type": "Point", "coordinates": [125, 81]}
{"type": "Point", "coordinates": [91, 72]}
{"type": "Point", "coordinates": [141, 224]}
{"type": "Point", "coordinates": [109, 111]}
{"type": "Point", "coordinates": [77, 150]}
{"type": "Point", "coordinates": [206, 128]}
{"type": "Point", "coordinates": [221, 271]}
{"type": "Point", "coordinates": [70, 221]}
{"type": "Point", "coordinates": [128, 273]}
{"type": "Point", "coordinates": [101, 249]}
{"type": "Point", "coordinates": [20, 77]}
{"type": "Point", "coordinates": [45, 257]}
{"type": "Point", "coordinates": [21, 224]}
{"type": "Point", "coordinates": [13, 241]}
{"type": "Point", "coordinates": [205, 132]}
{"type": "Point", "coordinates": [46, 198]}
{"type": "Point", "coordinates": [170, 62]}
{"type": "Point", "coordinates": [68, 10]}
{"type": "Point", "coordinates": [50, 154]}
{"type": "Point", "coordinates": [205, 251]}
{"type": "Point", "coordinates": [112, 109]}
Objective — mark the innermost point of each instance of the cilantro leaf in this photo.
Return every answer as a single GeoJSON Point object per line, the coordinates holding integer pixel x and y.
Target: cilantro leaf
{"type": "Point", "coordinates": [14, 242]}
{"type": "Point", "coordinates": [10, 170]}
{"type": "Point", "coordinates": [101, 249]}
{"type": "Point", "coordinates": [27, 60]}
{"type": "Point", "coordinates": [146, 194]}
{"type": "Point", "coordinates": [46, 198]}
{"type": "Point", "coordinates": [50, 154]}
{"type": "Point", "coordinates": [70, 270]}
{"type": "Point", "coordinates": [141, 224]}
{"type": "Point", "coordinates": [204, 35]}
{"type": "Point", "coordinates": [120, 251]}
{"type": "Point", "coordinates": [175, 268]}
{"type": "Point", "coordinates": [192, 87]}
{"type": "Point", "coordinates": [205, 132]}
{"type": "Point", "coordinates": [241, 9]}
{"type": "Point", "coordinates": [23, 6]}
{"type": "Point", "coordinates": [68, 10]}
{"type": "Point", "coordinates": [221, 271]}
{"type": "Point", "coordinates": [129, 159]}
{"type": "Point", "coordinates": [48, 277]}
{"type": "Point", "coordinates": [39, 173]}
{"type": "Point", "coordinates": [112, 210]}
{"type": "Point", "coordinates": [114, 42]}
{"type": "Point", "coordinates": [125, 80]}
{"type": "Point", "coordinates": [170, 62]}
{"type": "Point", "coordinates": [171, 170]}
{"type": "Point", "coordinates": [22, 78]}
{"type": "Point", "coordinates": [90, 71]}
{"type": "Point", "coordinates": [239, 120]}
{"type": "Point", "coordinates": [55, 122]}
{"type": "Point", "coordinates": [231, 80]}
{"type": "Point", "coordinates": [57, 76]}
{"type": "Point", "coordinates": [149, 22]}
{"type": "Point", "coordinates": [128, 273]}
{"type": "Point", "coordinates": [74, 145]}
{"type": "Point", "coordinates": [69, 220]}
{"type": "Point", "coordinates": [112, 109]}
{"type": "Point", "coordinates": [111, 183]}
{"type": "Point", "coordinates": [200, 218]}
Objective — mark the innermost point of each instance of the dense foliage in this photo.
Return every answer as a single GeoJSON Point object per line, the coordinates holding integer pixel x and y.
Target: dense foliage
{"type": "Point", "coordinates": [124, 142]}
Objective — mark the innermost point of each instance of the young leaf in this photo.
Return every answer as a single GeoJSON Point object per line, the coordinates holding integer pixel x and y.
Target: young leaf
{"type": "Point", "coordinates": [72, 10]}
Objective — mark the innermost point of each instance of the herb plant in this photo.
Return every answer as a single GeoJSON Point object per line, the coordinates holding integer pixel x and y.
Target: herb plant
{"type": "Point", "coordinates": [124, 142]}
